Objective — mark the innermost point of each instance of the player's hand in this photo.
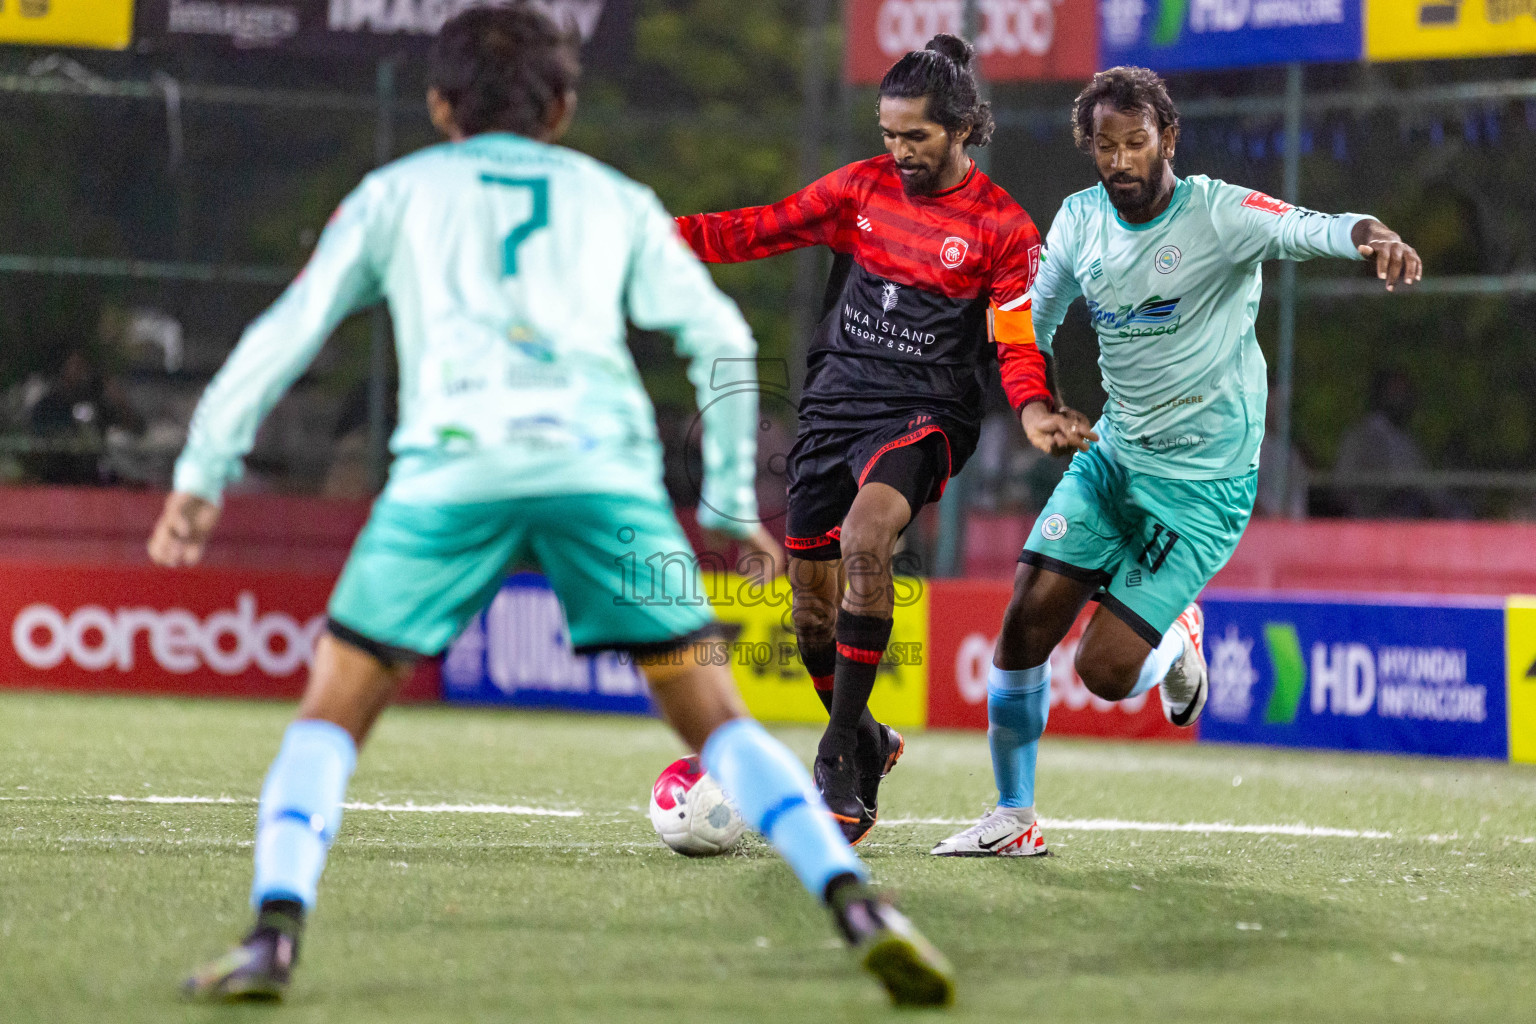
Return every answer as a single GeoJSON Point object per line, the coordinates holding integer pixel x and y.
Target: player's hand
{"type": "Point", "coordinates": [183, 529]}
{"type": "Point", "coordinates": [1396, 260]}
{"type": "Point", "coordinates": [1057, 433]}
{"type": "Point", "coordinates": [759, 550]}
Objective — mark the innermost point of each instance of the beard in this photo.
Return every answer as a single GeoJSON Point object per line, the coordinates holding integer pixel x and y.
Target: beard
{"type": "Point", "coordinates": [1133, 203]}
{"type": "Point", "coordinates": [924, 180]}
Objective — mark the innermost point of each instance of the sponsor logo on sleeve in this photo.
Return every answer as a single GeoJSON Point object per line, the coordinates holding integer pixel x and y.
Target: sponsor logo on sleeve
{"type": "Point", "coordinates": [1034, 261]}
{"type": "Point", "coordinates": [1269, 204]}
{"type": "Point", "coordinates": [1054, 527]}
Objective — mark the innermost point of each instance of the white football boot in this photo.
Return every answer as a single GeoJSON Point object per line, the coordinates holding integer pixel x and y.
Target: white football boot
{"type": "Point", "coordinates": [1187, 683]}
{"type": "Point", "coordinates": [1002, 832]}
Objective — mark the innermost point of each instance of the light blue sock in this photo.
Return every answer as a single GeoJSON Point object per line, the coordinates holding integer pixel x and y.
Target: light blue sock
{"type": "Point", "coordinates": [1018, 704]}
{"type": "Point", "coordinates": [1158, 663]}
{"type": "Point", "coordinates": [775, 795]}
{"type": "Point", "coordinates": [300, 810]}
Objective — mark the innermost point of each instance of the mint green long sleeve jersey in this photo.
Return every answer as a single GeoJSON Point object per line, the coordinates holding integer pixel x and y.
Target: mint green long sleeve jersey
{"type": "Point", "coordinates": [1174, 302]}
{"type": "Point", "coordinates": [509, 267]}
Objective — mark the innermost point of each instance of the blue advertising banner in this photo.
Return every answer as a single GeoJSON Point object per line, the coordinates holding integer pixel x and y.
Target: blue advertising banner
{"type": "Point", "coordinates": [518, 652]}
{"type": "Point", "coordinates": [1177, 35]}
{"type": "Point", "coordinates": [1404, 677]}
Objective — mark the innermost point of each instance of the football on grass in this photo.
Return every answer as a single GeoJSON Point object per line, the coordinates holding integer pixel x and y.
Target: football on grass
{"type": "Point", "coordinates": [691, 813]}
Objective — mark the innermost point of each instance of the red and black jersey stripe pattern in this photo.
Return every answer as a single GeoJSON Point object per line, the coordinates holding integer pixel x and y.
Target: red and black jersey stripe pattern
{"type": "Point", "coordinates": [905, 326]}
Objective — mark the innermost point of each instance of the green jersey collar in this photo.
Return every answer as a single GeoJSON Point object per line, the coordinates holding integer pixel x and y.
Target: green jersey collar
{"type": "Point", "coordinates": [1180, 191]}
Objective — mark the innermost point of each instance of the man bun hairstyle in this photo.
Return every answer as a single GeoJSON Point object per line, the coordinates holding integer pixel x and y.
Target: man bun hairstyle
{"type": "Point", "coordinates": [503, 67]}
{"type": "Point", "coordinates": [943, 74]}
{"type": "Point", "coordinates": [1129, 90]}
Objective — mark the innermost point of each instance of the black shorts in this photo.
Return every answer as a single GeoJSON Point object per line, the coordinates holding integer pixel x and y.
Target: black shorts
{"type": "Point", "coordinates": [827, 466]}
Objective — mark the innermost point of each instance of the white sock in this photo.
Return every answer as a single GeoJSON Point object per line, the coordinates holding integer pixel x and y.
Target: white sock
{"type": "Point", "coordinates": [1155, 669]}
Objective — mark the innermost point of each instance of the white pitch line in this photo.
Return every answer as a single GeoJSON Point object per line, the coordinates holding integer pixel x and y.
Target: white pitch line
{"type": "Point", "coordinates": [405, 808]}
{"type": "Point", "coordinates": [1117, 825]}
{"type": "Point", "coordinates": [1061, 824]}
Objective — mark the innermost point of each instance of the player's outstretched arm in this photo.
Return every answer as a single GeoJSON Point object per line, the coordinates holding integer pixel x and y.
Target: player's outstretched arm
{"type": "Point", "coordinates": [273, 351]}
{"type": "Point", "coordinates": [807, 218]}
{"type": "Point", "coordinates": [670, 291]}
{"type": "Point", "coordinates": [1396, 261]}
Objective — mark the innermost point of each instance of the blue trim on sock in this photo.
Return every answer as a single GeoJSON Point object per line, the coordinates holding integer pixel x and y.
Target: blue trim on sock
{"type": "Point", "coordinates": [772, 815]}
{"type": "Point", "coordinates": [775, 796]}
{"type": "Point", "coordinates": [305, 786]}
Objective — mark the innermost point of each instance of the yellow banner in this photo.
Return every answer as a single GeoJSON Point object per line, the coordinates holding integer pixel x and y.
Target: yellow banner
{"type": "Point", "coordinates": [102, 24]}
{"type": "Point", "coordinates": [767, 666]}
{"type": "Point", "coordinates": [1415, 29]}
{"type": "Point", "coordinates": [1521, 631]}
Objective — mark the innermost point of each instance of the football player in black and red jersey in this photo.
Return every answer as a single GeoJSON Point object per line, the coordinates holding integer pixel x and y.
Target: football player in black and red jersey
{"type": "Point", "coordinates": [933, 263]}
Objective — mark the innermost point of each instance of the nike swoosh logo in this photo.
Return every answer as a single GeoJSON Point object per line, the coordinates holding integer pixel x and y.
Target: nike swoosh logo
{"type": "Point", "coordinates": [988, 846]}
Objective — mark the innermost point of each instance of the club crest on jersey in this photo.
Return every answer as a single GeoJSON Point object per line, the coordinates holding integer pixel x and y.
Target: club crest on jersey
{"type": "Point", "coordinates": [952, 252]}
{"type": "Point", "coordinates": [889, 295]}
{"type": "Point", "coordinates": [1167, 259]}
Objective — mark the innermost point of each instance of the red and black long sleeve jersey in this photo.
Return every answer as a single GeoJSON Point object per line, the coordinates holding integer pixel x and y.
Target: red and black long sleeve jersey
{"type": "Point", "coordinates": [905, 326]}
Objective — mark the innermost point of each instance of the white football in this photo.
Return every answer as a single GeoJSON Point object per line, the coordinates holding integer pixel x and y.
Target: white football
{"type": "Point", "coordinates": [690, 811]}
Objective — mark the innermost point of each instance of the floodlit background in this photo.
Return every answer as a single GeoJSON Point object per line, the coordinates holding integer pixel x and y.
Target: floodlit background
{"type": "Point", "coordinates": [158, 198]}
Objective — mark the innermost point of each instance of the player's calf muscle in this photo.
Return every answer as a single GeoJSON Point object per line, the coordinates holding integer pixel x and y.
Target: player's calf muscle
{"type": "Point", "coordinates": [694, 699]}
{"type": "Point", "coordinates": [349, 687]}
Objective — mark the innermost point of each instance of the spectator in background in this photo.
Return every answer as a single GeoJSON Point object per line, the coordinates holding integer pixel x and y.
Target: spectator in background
{"type": "Point", "coordinates": [1277, 498]}
{"type": "Point", "coordinates": [72, 420]}
{"type": "Point", "coordinates": [1380, 444]}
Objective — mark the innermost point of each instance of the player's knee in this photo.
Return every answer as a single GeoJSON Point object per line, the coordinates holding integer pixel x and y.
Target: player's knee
{"type": "Point", "coordinates": [813, 618]}
{"type": "Point", "coordinates": [1026, 634]}
{"type": "Point", "coordinates": [1105, 676]}
{"type": "Point", "coordinates": [868, 537]}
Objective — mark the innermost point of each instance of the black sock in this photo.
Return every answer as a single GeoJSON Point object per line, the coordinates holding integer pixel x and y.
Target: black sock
{"type": "Point", "coordinates": [286, 917]}
{"type": "Point", "coordinates": [820, 660]}
{"type": "Point", "coordinates": [861, 642]}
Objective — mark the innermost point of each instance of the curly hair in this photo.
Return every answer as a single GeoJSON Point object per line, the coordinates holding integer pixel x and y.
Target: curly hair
{"type": "Point", "coordinates": [501, 68]}
{"type": "Point", "coordinates": [1131, 90]}
{"type": "Point", "coordinates": [942, 73]}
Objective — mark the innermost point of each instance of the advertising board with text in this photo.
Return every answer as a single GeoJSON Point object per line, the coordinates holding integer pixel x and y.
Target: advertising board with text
{"type": "Point", "coordinates": [1419, 29]}
{"type": "Point", "coordinates": [367, 28]}
{"type": "Point", "coordinates": [518, 652]}
{"type": "Point", "coordinates": [964, 620]}
{"type": "Point", "coordinates": [1020, 40]}
{"type": "Point", "coordinates": [1175, 35]}
{"type": "Point", "coordinates": [1401, 676]}
{"type": "Point", "coordinates": [97, 24]}
{"type": "Point", "coordinates": [200, 632]}
{"type": "Point", "coordinates": [766, 662]}
{"type": "Point", "coordinates": [189, 632]}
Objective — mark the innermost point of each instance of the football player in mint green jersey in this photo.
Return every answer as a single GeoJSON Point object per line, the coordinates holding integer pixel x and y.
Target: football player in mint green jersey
{"type": "Point", "coordinates": [1161, 488]}
{"type": "Point", "coordinates": [509, 265]}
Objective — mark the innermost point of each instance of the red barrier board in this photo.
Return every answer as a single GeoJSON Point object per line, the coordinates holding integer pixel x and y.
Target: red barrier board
{"type": "Point", "coordinates": [193, 632]}
{"type": "Point", "coordinates": [1020, 40]}
{"type": "Point", "coordinates": [964, 616]}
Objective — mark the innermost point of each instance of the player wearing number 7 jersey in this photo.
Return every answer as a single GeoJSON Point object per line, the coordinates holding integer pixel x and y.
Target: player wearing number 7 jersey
{"type": "Point", "coordinates": [509, 265]}
{"type": "Point", "coordinates": [1158, 495]}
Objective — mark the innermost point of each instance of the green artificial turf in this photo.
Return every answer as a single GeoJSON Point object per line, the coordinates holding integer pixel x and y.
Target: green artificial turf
{"type": "Point", "coordinates": [105, 905]}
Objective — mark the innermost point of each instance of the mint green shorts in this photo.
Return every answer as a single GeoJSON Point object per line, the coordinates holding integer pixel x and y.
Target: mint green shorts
{"type": "Point", "coordinates": [1149, 543]}
{"type": "Point", "coordinates": [620, 565]}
